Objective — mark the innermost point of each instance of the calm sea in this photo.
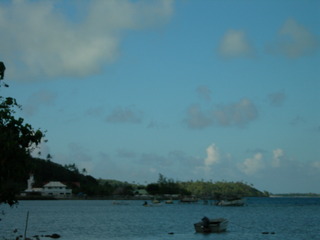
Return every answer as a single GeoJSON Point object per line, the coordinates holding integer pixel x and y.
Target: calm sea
{"type": "Point", "coordinates": [282, 218]}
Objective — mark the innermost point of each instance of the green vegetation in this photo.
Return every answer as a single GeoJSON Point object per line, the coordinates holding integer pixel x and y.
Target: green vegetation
{"type": "Point", "coordinates": [46, 170]}
{"type": "Point", "coordinates": [17, 140]}
{"type": "Point", "coordinates": [204, 189]}
{"type": "Point", "coordinates": [87, 186]}
{"type": "Point", "coordinates": [222, 189]}
{"type": "Point", "coordinates": [166, 186]}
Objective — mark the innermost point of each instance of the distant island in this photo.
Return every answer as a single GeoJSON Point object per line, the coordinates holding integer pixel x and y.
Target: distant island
{"type": "Point", "coordinates": [86, 186]}
{"type": "Point", "coordinates": [295, 195]}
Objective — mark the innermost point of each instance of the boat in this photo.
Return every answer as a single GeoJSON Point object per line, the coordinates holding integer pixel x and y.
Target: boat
{"type": "Point", "coordinates": [207, 225]}
{"type": "Point", "coordinates": [231, 202]}
{"type": "Point", "coordinates": [155, 201]}
{"type": "Point", "coordinates": [146, 204]}
{"type": "Point", "coordinates": [188, 200]}
{"type": "Point", "coordinates": [169, 201]}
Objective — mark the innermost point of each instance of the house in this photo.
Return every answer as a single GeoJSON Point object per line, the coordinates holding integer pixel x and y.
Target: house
{"type": "Point", "coordinates": [56, 189]}
{"type": "Point", "coordinates": [51, 189]}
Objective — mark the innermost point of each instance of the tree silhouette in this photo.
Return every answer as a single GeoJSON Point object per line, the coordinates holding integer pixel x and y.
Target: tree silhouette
{"type": "Point", "coordinates": [2, 69]}
{"type": "Point", "coordinates": [17, 140]}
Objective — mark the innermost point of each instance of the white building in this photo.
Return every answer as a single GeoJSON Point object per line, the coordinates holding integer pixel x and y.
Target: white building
{"type": "Point", "coordinates": [56, 189]}
{"type": "Point", "coordinates": [51, 189]}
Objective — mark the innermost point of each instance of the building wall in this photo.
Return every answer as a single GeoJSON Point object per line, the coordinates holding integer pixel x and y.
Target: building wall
{"type": "Point", "coordinates": [58, 192]}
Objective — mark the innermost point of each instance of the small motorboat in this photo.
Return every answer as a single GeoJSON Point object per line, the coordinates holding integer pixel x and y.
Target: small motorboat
{"type": "Point", "coordinates": [207, 225]}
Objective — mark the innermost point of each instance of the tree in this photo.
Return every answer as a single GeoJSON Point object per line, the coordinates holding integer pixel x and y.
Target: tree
{"type": "Point", "coordinates": [72, 167]}
{"type": "Point", "coordinates": [17, 140]}
{"type": "Point", "coordinates": [153, 188]}
{"type": "Point", "coordinates": [49, 157]}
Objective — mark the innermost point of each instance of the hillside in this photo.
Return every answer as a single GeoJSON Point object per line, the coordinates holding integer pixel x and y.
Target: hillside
{"type": "Point", "coordinates": [222, 189]}
{"type": "Point", "coordinates": [46, 170]}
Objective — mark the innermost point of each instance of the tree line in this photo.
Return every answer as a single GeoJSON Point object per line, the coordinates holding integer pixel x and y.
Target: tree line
{"type": "Point", "coordinates": [46, 170]}
{"type": "Point", "coordinates": [83, 185]}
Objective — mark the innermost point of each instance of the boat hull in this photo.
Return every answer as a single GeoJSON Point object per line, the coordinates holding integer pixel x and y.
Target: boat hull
{"type": "Point", "coordinates": [237, 202]}
{"type": "Point", "coordinates": [215, 226]}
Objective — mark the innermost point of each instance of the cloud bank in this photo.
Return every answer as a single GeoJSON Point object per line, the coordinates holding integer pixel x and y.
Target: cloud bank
{"type": "Point", "coordinates": [237, 114]}
{"type": "Point", "coordinates": [39, 41]}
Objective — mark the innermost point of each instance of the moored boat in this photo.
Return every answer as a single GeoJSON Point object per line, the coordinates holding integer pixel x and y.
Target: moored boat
{"type": "Point", "coordinates": [155, 201]}
{"type": "Point", "coordinates": [207, 225]}
{"type": "Point", "coordinates": [146, 204]}
{"type": "Point", "coordinates": [189, 200]}
{"type": "Point", "coordinates": [231, 202]}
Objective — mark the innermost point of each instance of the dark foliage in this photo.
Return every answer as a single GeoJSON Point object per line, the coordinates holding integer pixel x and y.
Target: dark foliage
{"type": "Point", "coordinates": [17, 140]}
{"type": "Point", "coordinates": [166, 186]}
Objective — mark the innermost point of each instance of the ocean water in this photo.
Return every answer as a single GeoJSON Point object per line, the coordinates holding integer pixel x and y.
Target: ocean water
{"type": "Point", "coordinates": [261, 218]}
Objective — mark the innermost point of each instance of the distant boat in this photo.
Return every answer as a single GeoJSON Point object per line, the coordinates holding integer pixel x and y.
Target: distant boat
{"type": "Point", "coordinates": [231, 202]}
{"type": "Point", "coordinates": [189, 200]}
{"type": "Point", "coordinates": [146, 204]}
{"type": "Point", "coordinates": [207, 225]}
{"type": "Point", "coordinates": [169, 201]}
{"type": "Point", "coordinates": [155, 201]}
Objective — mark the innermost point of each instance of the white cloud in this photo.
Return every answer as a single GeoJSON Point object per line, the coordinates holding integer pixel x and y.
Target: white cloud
{"type": "Point", "coordinates": [235, 44]}
{"type": "Point", "coordinates": [213, 156]}
{"type": "Point", "coordinates": [38, 41]}
{"type": "Point", "coordinates": [277, 155]}
{"type": "Point", "coordinates": [295, 40]}
{"type": "Point", "coordinates": [252, 165]}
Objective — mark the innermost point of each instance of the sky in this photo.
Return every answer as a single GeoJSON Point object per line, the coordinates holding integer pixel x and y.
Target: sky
{"type": "Point", "coordinates": [194, 90]}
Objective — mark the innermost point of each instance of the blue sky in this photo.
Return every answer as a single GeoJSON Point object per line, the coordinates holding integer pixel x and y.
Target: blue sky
{"type": "Point", "coordinates": [212, 90]}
